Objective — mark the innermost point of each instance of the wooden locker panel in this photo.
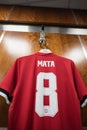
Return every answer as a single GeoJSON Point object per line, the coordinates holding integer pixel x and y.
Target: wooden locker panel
{"type": "Point", "coordinates": [84, 116]}
{"type": "Point", "coordinates": [84, 64]}
{"type": "Point", "coordinates": [4, 12]}
{"type": "Point", "coordinates": [42, 15]}
{"type": "Point", "coordinates": [10, 49]}
{"type": "Point", "coordinates": [1, 32]}
{"type": "Point", "coordinates": [84, 39]}
{"type": "Point", "coordinates": [3, 112]}
{"type": "Point", "coordinates": [81, 16]}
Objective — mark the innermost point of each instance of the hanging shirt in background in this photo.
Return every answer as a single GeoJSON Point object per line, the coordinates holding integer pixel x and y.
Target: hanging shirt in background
{"type": "Point", "coordinates": [45, 92]}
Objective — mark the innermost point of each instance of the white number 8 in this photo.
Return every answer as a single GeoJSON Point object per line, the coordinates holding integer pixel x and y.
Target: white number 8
{"type": "Point", "coordinates": [51, 109]}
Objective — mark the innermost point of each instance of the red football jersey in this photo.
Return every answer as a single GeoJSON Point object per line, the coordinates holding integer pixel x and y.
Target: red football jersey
{"type": "Point", "coordinates": [45, 92]}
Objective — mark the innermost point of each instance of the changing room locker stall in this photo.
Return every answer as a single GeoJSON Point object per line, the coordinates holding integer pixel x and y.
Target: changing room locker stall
{"type": "Point", "coordinates": [15, 44]}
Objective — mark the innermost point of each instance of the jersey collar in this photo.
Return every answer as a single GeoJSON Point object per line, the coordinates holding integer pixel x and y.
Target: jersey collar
{"type": "Point", "coordinates": [45, 51]}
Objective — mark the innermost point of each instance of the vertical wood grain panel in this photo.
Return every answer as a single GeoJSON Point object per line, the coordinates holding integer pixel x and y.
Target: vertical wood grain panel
{"type": "Point", "coordinates": [84, 74]}
{"type": "Point", "coordinates": [4, 10]}
{"type": "Point", "coordinates": [0, 32]}
{"type": "Point", "coordinates": [84, 39]}
{"type": "Point", "coordinates": [81, 16]}
{"type": "Point", "coordinates": [3, 116]}
{"type": "Point", "coordinates": [42, 15]}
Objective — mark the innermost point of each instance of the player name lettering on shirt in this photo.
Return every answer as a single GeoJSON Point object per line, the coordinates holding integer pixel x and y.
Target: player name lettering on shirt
{"type": "Point", "coordinates": [42, 63]}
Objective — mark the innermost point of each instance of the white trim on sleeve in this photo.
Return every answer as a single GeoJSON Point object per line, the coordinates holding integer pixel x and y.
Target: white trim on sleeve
{"type": "Point", "coordinates": [84, 103]}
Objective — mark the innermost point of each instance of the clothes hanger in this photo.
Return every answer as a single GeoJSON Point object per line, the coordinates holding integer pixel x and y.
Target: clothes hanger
{"type": "Point", "coordinates": [44, 48]}
{"type": "Point", "coordinates": [43, 43]}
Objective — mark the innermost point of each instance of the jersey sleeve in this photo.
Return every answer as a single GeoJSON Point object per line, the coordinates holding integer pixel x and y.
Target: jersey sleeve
{"type": "Point", "coordinates": [80, 86]}
{"type": "Point", "coordinates": [9, 82]}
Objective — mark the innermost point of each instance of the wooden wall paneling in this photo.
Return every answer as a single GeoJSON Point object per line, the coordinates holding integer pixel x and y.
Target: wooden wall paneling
{"type": "Point", "coordinates": [84, 116]}
{"type": "Point", "coordinates": [4, 12]}
{"type": "Point", "coordinates": [84, 64]}
{"type": "Point", "coordinates": [3, 112]}
{"type": "Point", "coordinates": [1, 32]}
{"type": "Point", "coordinates": [45, 15]}
{"type": "Point", "coordinates": [84, 39]}
{"type": "Point", "coordinates": [42, 15]}
{"type": "Point", "coordinates": [54, 43]}
{"type": "Point", "coordinates": [81, 16]}
{"type": "Point", "coordinates": [72, 49]}
{"type": "Point", "coordinates": [14, 45]}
